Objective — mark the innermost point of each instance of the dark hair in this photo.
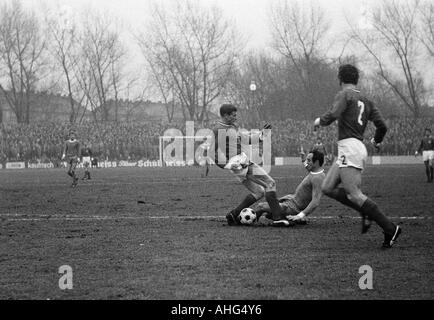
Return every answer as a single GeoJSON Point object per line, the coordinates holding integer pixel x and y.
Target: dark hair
{"type": "Point", "coordinates": [317, 155]}
{"type": "Point", "coordinates": [227, 109]}
{"type": "Point", "coordinates": [348, 74]}
{"type": "Point", "coordinates": [428, 129]}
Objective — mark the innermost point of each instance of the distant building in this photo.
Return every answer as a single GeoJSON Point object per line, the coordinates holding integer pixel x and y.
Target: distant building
{"type": "Point", "coordinates": [56, 108]}
{"type": "Point", "coordinates": [43, 107]}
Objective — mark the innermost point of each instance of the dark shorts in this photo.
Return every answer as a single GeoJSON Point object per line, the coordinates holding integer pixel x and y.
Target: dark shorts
{"type": "Point", "coordinates": [72, 160]}
{"type": "Point", "coordinates": [289, 206]}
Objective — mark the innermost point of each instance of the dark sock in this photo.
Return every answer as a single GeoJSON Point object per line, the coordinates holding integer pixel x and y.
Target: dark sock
{"type": "Point", "coordinates": [88, 175]}
{"type": "Point", "coordinates": [428, 172]}
{"type": "Point", "coordinates": [371, 210]}
{"type": "Point", "coordinates": [273, 202]}
{"type": "Point", "coordinates": [340, 195]}
{"type": "Point", "coordinates": [247, 202]}
{"type": "Point", "coordinates": [70, 173]}
{"type": "Point", "coordinates": [431, 169]}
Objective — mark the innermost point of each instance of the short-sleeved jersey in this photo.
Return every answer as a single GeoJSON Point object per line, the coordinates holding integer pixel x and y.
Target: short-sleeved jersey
{"type": "Point", "coordinates": [426, 144]}
{"type": "Point", "coordinates": [353, 111]}
{"type": "Point", "coordinates": [72, 148]}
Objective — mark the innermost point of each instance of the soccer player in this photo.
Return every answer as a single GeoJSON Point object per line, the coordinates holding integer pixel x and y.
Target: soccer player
{"type": "Point", "coordinates": [427, 148]}
{"type": "Point", "coordinates": [229, 155]}
{"type": "Point", "coordinates": [307, 195]}
{"type": "Point", "coordinates": [86, 154]}
{"type": "Point", "coordinates": [71, 152]}
{"type": "Point", "coordinates": [353, 110]}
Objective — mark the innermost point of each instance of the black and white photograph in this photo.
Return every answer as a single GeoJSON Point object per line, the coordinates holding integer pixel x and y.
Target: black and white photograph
{"type": "Point", "coordinates": [217, 155]}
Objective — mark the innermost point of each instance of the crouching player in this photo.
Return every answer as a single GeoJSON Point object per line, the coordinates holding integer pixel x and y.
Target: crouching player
{"type": "Point", "coordinates": [227, 145]}
{"type": "Point", "coordinates": [307, 195]}
{"type": "Point", "coordinates": [71, 152]}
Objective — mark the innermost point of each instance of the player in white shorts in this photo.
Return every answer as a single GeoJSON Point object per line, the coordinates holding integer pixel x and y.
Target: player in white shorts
{"type": "Point", "coordinates": [227, 146]}
{"type": "Point", "coordinates": [353, 110]}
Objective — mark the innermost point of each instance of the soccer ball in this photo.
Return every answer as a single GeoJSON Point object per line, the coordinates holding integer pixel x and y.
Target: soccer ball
{"type": "Point", "coordinates": [247, 216]}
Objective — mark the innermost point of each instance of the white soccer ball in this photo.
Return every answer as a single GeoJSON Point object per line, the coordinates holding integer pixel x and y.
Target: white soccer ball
{"type": "Point", "coordinates": [247, 216]}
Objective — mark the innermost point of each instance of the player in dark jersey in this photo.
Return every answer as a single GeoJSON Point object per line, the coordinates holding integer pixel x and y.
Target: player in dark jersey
{"type": "Point", "coordinates": [86, 156]}
{"type": "Point", "coordinates": [71, 152]}
{"type": "Point", "coordinates": [426, 147]}
{"type": "Point", "coordinates": [353, 111]}
{"type": "Point", "coordinates": [228, 154]}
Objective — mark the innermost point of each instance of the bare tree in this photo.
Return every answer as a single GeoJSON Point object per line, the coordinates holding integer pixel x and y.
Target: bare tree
{"type": "Point", "coordinates": [21, 57]}
{"type": "Point", "coordinates": [298, 34]}
{"type": "Point", "coordinates": [196, 47]}
{"type": "Point", "coordinates": [101, 63]}
{"type": "Point", "coordinates": [426, 34]}
{"type": "Point", "coordinates": [63, 47]}
{"type": "Point", "coordinates": [393, 37]}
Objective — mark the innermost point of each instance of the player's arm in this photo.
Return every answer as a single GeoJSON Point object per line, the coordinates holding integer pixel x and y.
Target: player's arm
{"type": "Point", "coordinates": [380, 125]}
{"type": "Point", "coordinates": [338, 107]}
{"type": "Point", "coordinates": [254, 136]}
{"type": "Point", "coordinates": [314, 203]}
{"type": "Point", "coordinates": [79, 154]}
{"type": "Point", "coordinates": [419, 150]}
{"type": "Point", "coordinates": [65, 149]}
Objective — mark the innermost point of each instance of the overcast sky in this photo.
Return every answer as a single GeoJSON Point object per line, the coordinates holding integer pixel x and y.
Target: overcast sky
{"type": "Point", "coordinates": [249, 15]}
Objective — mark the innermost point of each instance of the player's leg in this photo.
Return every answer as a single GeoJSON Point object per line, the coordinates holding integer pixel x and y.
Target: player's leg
{"type": "Point", "coordinates": [262, 208]}
{"type": "Point", "coordinates": [259, 176]}
{"type": "Point", "coordinates": [351, 181]}
{"type": "Point", "coordinates": [430, 163]}
{"type": "Point", "coordinates": [427, 170]}
{"type": "Point", "coordinates": [256, 193]}
{"type": "Point", "coordinates": [330, 187]}
{"type": "Point", "coordinates": [72, 169]}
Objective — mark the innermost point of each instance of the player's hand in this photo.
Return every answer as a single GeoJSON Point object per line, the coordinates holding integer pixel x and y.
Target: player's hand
{"type": "Point", "coordinates": [416, 154]}
{"type": "Point", "coordinates": [316, 124]}
{"type": "Point", "coordinates": [301, 217]}
{"type": "Point", "coordinates": [63, 157]}
{"type": "Point", "coordinates": [267, 126]}
{"type": "Point", "coordinates": [375, 144]}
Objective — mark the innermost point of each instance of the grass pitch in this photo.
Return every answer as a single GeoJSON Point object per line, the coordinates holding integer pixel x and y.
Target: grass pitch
{"type": "Point", "coordinates": [175, 244]}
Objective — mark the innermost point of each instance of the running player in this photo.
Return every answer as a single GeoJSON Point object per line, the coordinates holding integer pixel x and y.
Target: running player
{"type": "Point", "coordinates": [353, 111]}
{"type": "Point", "coordinates": [71, 152]}
{"type": "Point", "coordinates": [307, 195]}
{"type": "Point", "coordinates": [426, 147]}
{"type": "Point", "coordinates": [227, 144]}
{"type": "Point", "coordinates": [86, 154]}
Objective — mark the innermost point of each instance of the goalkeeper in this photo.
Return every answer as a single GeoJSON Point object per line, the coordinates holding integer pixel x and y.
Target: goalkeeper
{"type": "Point", "coordinates": [227, 145]}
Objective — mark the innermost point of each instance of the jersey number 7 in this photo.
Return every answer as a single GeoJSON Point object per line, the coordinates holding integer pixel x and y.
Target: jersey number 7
{"type": "Point", "coordinates": [361, 105]}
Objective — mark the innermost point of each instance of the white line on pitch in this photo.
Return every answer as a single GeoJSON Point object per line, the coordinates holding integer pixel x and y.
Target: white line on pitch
{"type": "Point", "coordinates": [18, 217]}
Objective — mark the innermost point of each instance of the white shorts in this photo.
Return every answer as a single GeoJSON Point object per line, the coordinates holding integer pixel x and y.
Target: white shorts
{"type": "Point", "coordinates": [351, 153]}
{"type": "Point", "coordinates": [428, 155]}
{"type": "Point", "coordinates": [86, 160]}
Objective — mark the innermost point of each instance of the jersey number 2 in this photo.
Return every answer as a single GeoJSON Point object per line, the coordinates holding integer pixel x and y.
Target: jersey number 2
{"type": "Point", "coordinates": [361, 105]}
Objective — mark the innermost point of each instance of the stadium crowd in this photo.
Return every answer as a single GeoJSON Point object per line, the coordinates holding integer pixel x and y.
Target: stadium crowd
{"type": "Point", "coordinates": [43, 142]}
